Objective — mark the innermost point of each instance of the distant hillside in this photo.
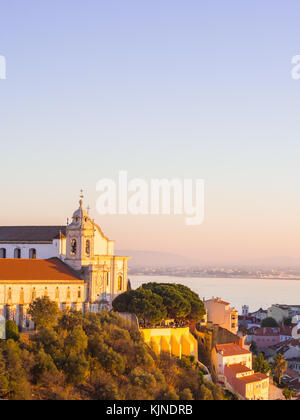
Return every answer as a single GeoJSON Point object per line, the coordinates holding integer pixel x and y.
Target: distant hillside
{"type": "Point", "coordinates": [163, 259]}
{"type": "Point", "coordinates": [155, 259]}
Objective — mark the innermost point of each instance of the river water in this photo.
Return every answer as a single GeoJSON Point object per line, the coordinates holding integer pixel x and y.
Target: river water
{"type": "Point", "coordinates": [256, 293]}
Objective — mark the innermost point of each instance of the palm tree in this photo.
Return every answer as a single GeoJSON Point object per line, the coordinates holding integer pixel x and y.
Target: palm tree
{"type": "Point", "coordinates": [279, 366]}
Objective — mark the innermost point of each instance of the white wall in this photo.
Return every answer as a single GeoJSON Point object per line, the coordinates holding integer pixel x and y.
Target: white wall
{"type": "Point", "coordinates": [44, 251]}
{"type": "Point", "coordinates": [102, 246]}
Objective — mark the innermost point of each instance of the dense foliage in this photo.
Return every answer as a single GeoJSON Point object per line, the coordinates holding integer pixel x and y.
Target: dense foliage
{"type": "Point", "coordinates": [154, 302]}
{"type": "Point", "coordinates": [260, 365]}
{"type": "Point", "coordinates": [269, 322]}
{"type": "Point", "coordinates": [93, 357]}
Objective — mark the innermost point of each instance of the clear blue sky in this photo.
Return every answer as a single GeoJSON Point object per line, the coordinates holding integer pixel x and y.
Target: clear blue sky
{"type": "Point", "coordinates": [161, 89]}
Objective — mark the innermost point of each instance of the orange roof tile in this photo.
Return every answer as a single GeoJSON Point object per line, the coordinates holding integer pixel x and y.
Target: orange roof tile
{"type": "Point", "coordinates": [218, 300]}
{"type": "Point", "coordinates": [231, 349]}
{"type": "Point", "coordinates": [239, 368]}
{"type": "Point", "coordinates": [256, 377]}
{"type": "Point", "coordinates": [36, 270]}
{"type": "Point", "coordinates": [273, 331]}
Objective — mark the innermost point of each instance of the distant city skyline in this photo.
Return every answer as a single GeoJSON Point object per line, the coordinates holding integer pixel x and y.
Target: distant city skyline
{"type": "Point", "coordinates": [162, 90]}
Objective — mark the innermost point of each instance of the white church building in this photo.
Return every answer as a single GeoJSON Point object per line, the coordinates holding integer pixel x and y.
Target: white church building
{"type": "Point", "coordinates": [73, 265]}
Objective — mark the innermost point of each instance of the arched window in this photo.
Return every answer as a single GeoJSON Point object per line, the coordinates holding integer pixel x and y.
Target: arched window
{"type": "Point", "coordinates": [57, 293]}
{"type": "Point", "coordinates": [79, 293]}
{"type": "Point", "coordinates": [88, 247]}
{"type": "Point", "coordinates": [69, 293]}
{"type": "Point", "coordinates": [73, 247]}
{"type": "Point", "coordinates": [2, 253]}
{"type": "Point", "coordinates": [120, 283]}
{"type": "Point", "coordinates": [17, 253]}
{"type": "Point", "coordinates": [32, 254]}
{"type": "Point", "coordinates": [46, 292]}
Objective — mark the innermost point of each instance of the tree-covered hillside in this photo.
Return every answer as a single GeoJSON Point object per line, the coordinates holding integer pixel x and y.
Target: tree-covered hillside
{"type": "Point", "coordinates": [93, 357]}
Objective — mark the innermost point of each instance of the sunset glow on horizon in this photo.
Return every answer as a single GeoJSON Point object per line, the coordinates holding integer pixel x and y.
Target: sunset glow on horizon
{"type": "Point", "coordinates": [165, 90]}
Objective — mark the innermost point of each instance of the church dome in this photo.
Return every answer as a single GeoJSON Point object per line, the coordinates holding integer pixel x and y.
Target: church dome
{"type": "Point", "coordinates": [80, 216]}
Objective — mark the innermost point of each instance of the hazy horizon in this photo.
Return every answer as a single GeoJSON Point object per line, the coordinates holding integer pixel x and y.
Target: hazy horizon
{"type": "Point", "coordinates": [151, 258]}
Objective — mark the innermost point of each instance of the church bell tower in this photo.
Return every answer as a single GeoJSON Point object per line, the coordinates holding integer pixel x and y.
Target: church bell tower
{"type": "Point", "coordinates": [80, 239]}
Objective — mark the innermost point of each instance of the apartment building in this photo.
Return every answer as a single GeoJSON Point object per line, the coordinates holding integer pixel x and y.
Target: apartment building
{"type": "Point", "coordinates": [221, 313]}
{"type": "Point", "coordinates": [233, 366]}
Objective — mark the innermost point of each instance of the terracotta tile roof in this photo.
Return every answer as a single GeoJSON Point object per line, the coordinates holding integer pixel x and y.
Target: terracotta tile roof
{"type": "Point", "coordinates": [239, 368]}
{"type": "Point", "coordinates": [36, 270]}
{"type": "Point", "coordinates": [231, 349]}
{"type": "Point", "coordinates": [273, 331]}
{"type": "Point", "coordinates": [218, 300]}
{"type": "Point", "coordinates": [286, 343]}
{"type": "Point", "coordinates": [222, 302]}
{"type": "Point", "coordinates": [287, 306]}
{"type": "Point", "coordinates": [256, 377]}
{"type": "Point", "coordinates": [31, 234]}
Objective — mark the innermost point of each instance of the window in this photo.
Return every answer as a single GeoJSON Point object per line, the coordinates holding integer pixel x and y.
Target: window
{"type": "Point", "coordinates": [2, 253]}
{"type": "Point", "coordinates": [57, 293]}
{"type": "Point", "coordinates": [120, 283]}
{"type": "Point", "coordinates": [32, 254]}
{"type": "Point", "coordinates": [73, 247]}
{"type": "Point", "coordinates": [69, 293]}
{"type": "Point", "coordinates": [22, 296]}
{"type": "Point", "coordinates": [17, 253]}
{"type": "Point", "coordinates": [79, 293]}
{"type": "Point", "coordinates": [106, 279]}
{"type": "Point", "coordinates": [88, 247]}
{"type": "Point", "coordinates": [9, 294]}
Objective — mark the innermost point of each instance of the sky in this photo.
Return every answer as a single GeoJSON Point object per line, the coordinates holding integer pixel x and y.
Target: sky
{"type": "Point", "coordinates": [161, 89]}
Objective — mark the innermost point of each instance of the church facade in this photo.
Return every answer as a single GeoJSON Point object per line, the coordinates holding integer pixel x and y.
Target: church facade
{"type": "Point", "coordinates": [73, 265]}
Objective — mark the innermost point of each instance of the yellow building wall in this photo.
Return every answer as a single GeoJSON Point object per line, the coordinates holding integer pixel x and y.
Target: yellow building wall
{"type": "Point", "coordinates": [258, 390]}
{"type": "Point", "coordinates": [176, 341]}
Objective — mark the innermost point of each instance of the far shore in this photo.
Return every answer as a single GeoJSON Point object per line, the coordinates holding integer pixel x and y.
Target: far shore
{"type": "Point", "coordinates": [213, 277]}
